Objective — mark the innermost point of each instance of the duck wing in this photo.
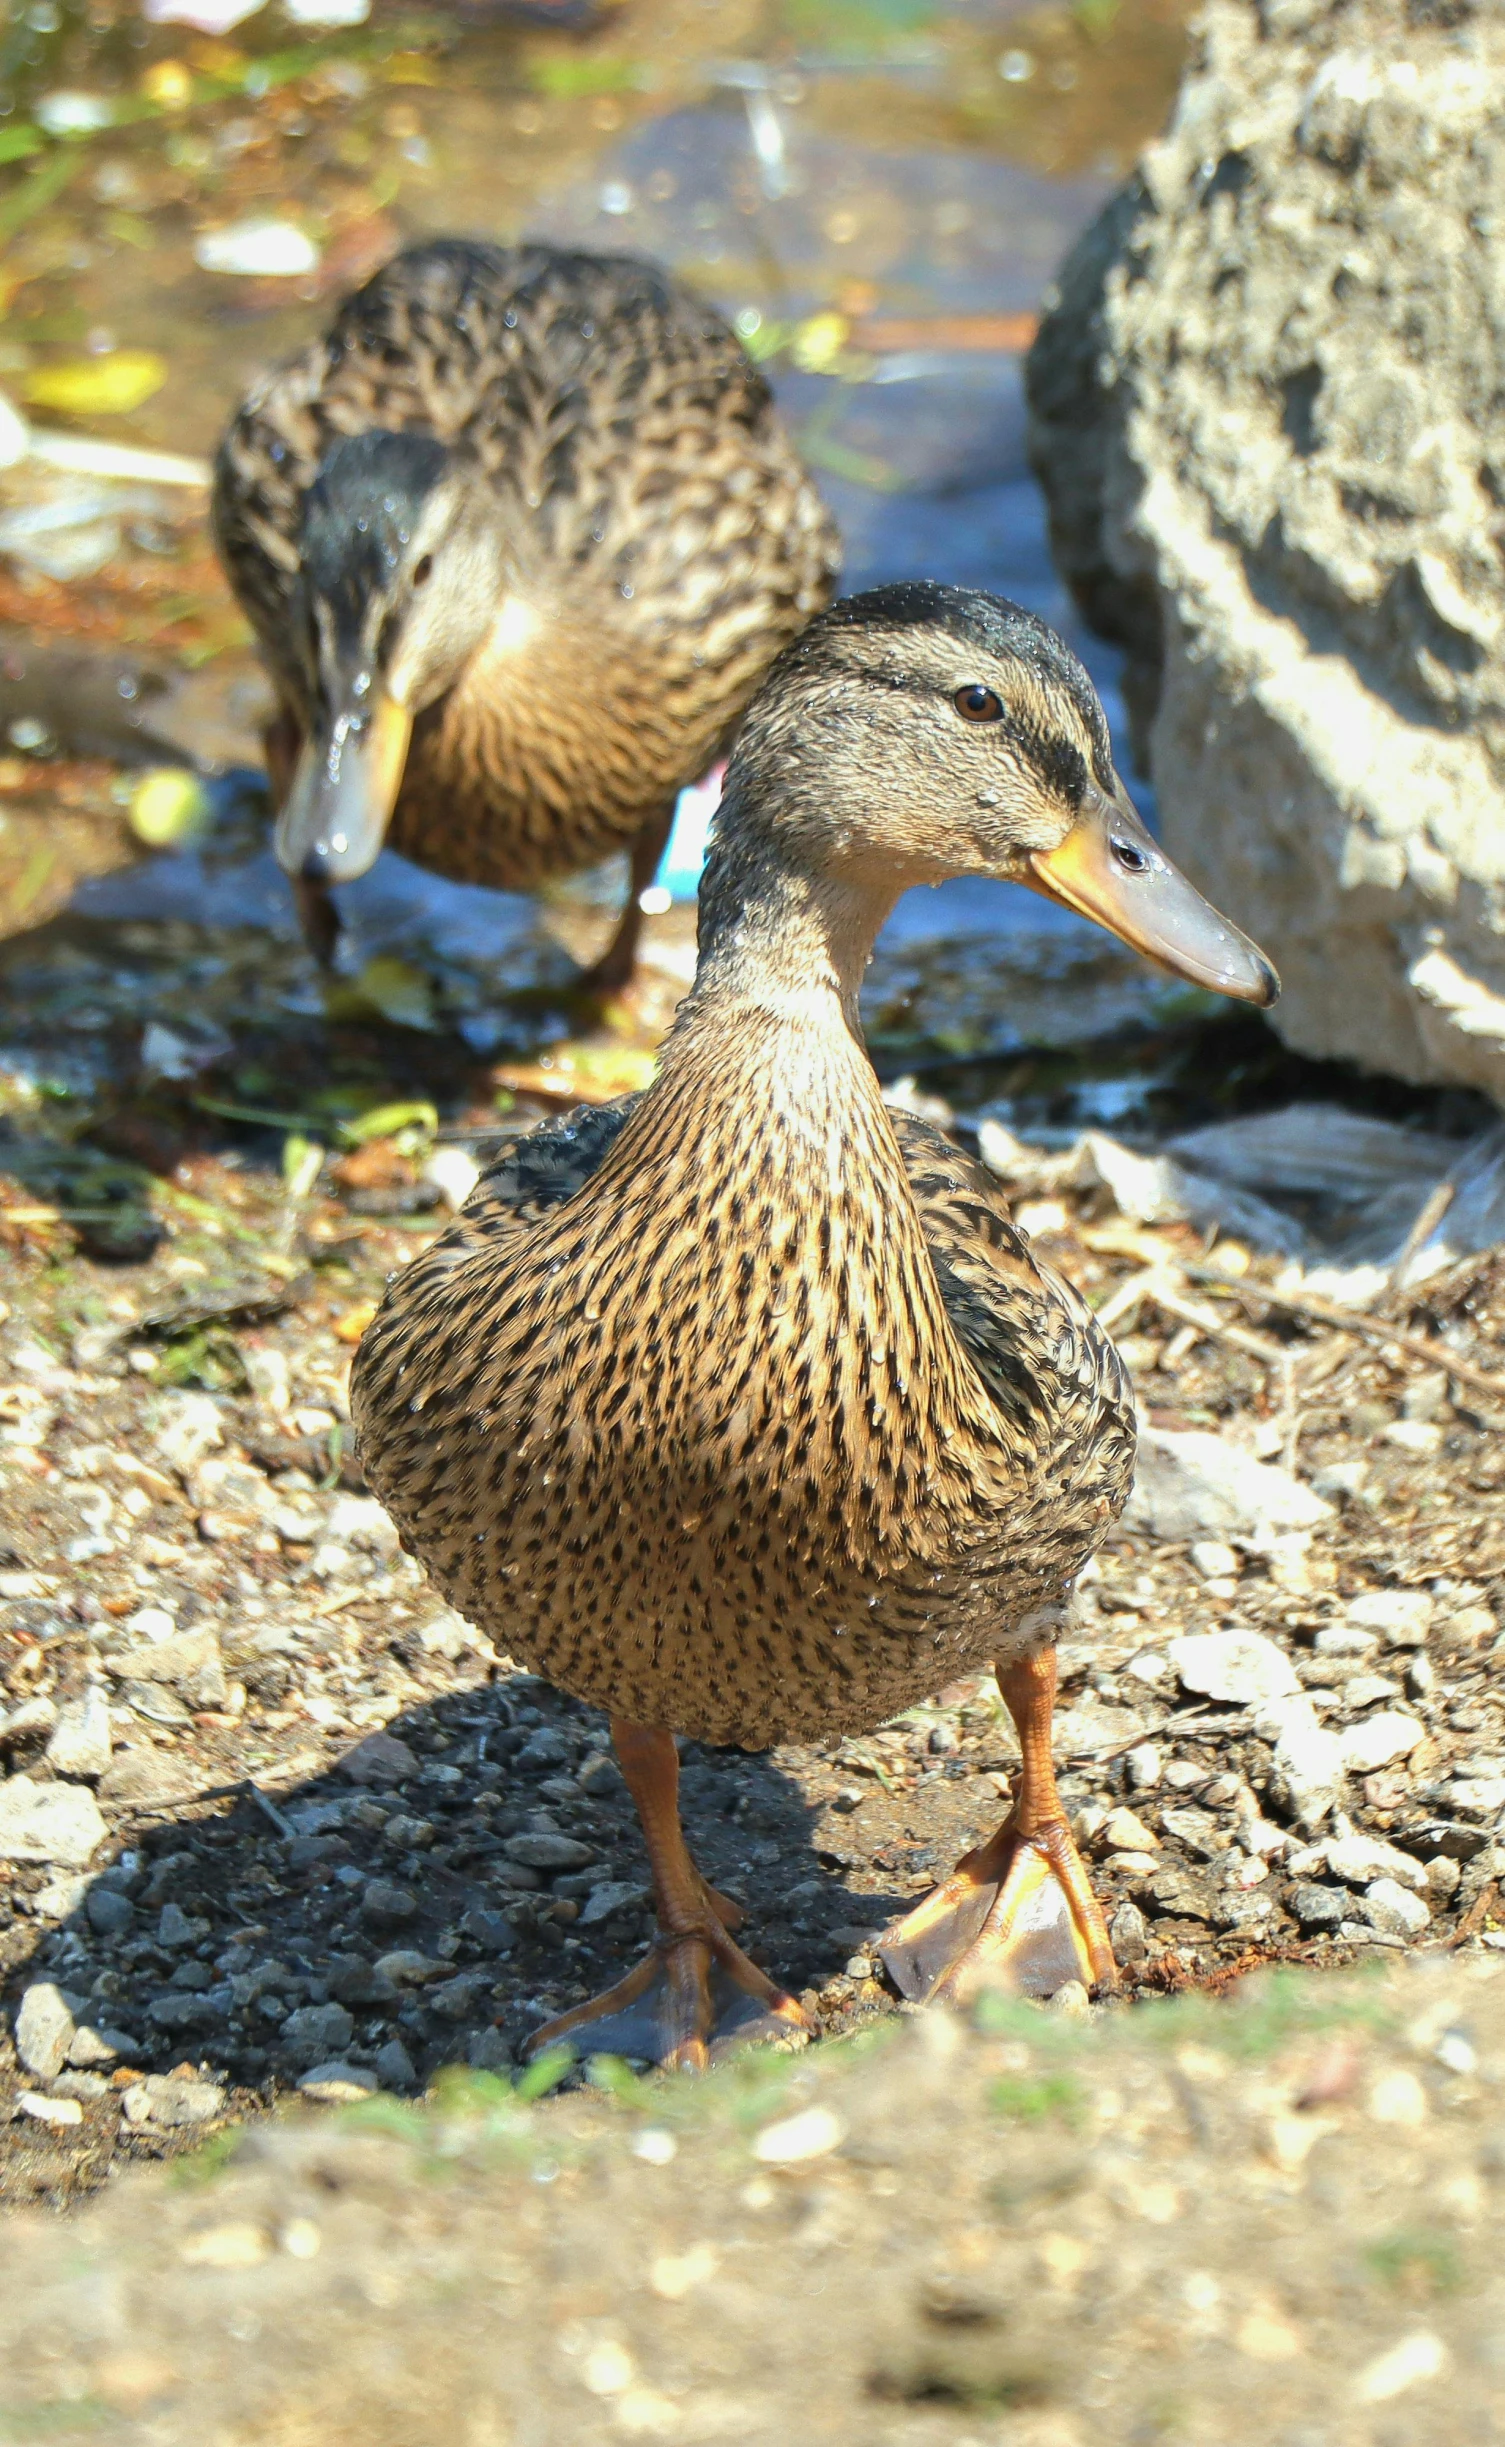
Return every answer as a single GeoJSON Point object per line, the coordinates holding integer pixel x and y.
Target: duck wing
{"type": "Point", "coordinates": [1043, 1358]}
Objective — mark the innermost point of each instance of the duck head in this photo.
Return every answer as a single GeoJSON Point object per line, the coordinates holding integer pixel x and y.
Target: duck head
{"type": "Point", "coordinates": [403, 563]}
{"type": "Point", "coordinates": [922, 731]}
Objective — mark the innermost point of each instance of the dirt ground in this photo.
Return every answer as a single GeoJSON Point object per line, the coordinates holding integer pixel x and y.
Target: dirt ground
{"type": "Point", "coordinates": [1276, 2221]}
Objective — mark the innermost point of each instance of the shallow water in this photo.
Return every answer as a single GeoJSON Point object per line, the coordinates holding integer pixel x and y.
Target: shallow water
{"type": "Point", "coordinates": [825, 172]}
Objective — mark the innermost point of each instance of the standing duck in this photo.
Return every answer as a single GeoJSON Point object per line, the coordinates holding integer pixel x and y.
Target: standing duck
{"type": "Point", "coordinates": [519, 537]}
{"type": "Point", "coordinates": [739, 1408]}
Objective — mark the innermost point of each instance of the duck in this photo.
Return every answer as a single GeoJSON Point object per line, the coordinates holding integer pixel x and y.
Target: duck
{"type": "Point", "coordinates": [518, 536]}
{"type": "Point", "coordinates": [740, 1408]}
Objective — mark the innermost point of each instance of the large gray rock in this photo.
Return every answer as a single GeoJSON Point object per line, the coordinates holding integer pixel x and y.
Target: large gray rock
{"type": "Point", "coordinates": [49, 1822]}
{"type": "Point", "coordinates": [1269, 413]}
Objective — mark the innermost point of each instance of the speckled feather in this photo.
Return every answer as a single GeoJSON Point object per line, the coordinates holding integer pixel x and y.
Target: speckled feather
{"type": "Point", "coordinates": [756, 1432]}
{"type": "Point", "coordinates": [660, 517]}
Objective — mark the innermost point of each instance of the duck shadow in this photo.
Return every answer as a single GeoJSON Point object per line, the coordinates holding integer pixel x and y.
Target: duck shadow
{"type": "Point", "coordinates": [436, 1894]}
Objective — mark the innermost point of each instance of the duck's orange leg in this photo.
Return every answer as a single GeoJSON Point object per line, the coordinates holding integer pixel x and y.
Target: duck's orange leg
{"type": "Point", "coordinates": [696, 1994]}
{"type": "Point", "coordinates": [1019, 1912]}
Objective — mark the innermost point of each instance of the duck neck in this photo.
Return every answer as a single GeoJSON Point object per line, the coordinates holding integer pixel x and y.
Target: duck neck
{"type": "Point", "coordinates": [783, 941]}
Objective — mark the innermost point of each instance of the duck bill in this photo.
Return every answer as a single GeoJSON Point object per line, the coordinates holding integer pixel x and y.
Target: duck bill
{"type": "Point", "coordinates": [1110, 869]}
{"type": "Point", "coordinates": [344, 789]}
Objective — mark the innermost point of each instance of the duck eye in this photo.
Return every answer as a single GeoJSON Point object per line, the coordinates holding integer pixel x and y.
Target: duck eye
{"type": "Point", "coordinates": [978, 704]}
{"type": "Point", "coordinates": [1127, 854]}
{"type": "Point", "coordinates": [423, 570]}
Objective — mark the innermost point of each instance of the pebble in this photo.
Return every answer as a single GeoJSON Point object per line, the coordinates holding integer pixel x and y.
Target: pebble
{"type": "Point", "coordinates": [1128, 1932]}
{"type": "Point", "coordinates": [605, 1901]}
{"type": "Point", "coordinates": [1189, 1484]}
{"type": "Point", "coordinates": [792, 2140]}
{"type": "Point", "coordinates": [60, 1898]}
{"type": "Point", "coordinates": [109, 1912]}
{"type": "Point", "coordinates": [49, 1822]}
{"type": "Point", "coordinates": [1318, 1907]}
{"type": "Point", "coordinates": [191, 1425]}
{"type": "Point", "coordinates": [387, 1906]}
{"type": "Point", "coordinates": [1240, 1667]}
{"type": "Point", "coordinates": [1390, 1906]}
{"type": "Point", "coordinates": [1402, 1617]}
{"type": "Point", "coordinates": [488, 2052]}
{"type": "Point", "coordinates": [44, 2028]}
{"type": "Point", "coordinates": [80, 1743]}
{"type": "Point", "coordinates": [405, 1968]}
{"type": "Point", "coordinates": [1212, 1560]}
{"type": "Point", "coordinates": [174, 1928]}
{"type": "Point", "coordinates": [61, 2112]}
{"type": "Point", "coordinates": [236, 2243]}
{"type": "Point", "coordinates": [490, 1929]}
{"type": "Point", "coordinates": [90, 2046]}
{"type": "Point", "coordinates": [1309, 1761]}
{"type": "Point", "coordinates": [1122, 1831]}
{"type": "Point", "coordinates": [312, 2032]}
{"type": "Point", "coordinates": [171, 2099]}
{"type": "Point", "coordinates": [1379, 1741]}
{"type": "Point", "coordinates": [1356, 1859]}
{"type": "Point", "coordinates": [546, 1851]}
{"type": "Point", "coordinates": [1144, 1765]}
{"type": "Point", "coordinates": [258, 248]}
{"type": "Point", "coordinates": [146, 1775]}
{"type": "Point", "coordinates": [1418, 2357]}
{"type": "Point", "coordinates": [337, 2084]}
{"type": "Point", "coordinates": [381, 1759]}
{"type": "Point", "coordinates": [394, 2067]}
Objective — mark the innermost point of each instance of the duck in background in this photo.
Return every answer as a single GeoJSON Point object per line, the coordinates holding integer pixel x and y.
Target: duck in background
{"type": "Point", "coordinates": [519, 537]}
{"type": "Point", "coordinates": [739, 1408]}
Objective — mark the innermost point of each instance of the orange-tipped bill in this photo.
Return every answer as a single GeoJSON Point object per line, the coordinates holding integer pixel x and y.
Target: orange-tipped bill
{"type": "Point", "coordinates": [344, 790]}
{"type": "Point", "coordinates": [1109, 868]}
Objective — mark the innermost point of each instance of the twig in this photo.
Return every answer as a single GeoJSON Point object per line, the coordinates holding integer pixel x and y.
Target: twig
{"type": "Point", "coordinates": [1478, 1912]}
{"type": "Point", "coordinates": [1353, 1321]}
{"type": "Point", "coordinates": [1428, 1216]}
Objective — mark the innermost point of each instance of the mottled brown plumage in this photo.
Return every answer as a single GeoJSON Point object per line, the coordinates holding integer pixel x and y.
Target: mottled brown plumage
{"type": "Point", "coordinates": [618, 535]}
{"type": "Point", "coordinates": [740, 1407]}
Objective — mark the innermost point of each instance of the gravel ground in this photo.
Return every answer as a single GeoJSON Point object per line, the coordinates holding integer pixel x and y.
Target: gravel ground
{"type": "Point", "coordinates": [1276, 2221]}
{"type": "Point", "coordinates": [273, 1816]}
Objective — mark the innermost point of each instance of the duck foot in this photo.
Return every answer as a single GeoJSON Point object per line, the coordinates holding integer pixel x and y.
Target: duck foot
{"type": "Point", "coordinates": [695, 1995]}
{"type": "Point", "coordinates": [1019, 1911]}
{"type": "Point", "coordinates": [692, 2001]}
{"type": "Point", "coordinates": [1016, 1913]}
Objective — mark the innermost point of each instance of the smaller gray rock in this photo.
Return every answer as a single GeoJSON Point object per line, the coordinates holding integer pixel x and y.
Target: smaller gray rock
{"type": "Point", "coordinates": [1379, 1741]}
{"type": "Point", "coordinates": [491, 1930]}
{"type": "Point", "coordinates": [176, 2010]}
{"type": "Point", "coordinates": [605, 1901]}
{"type": "Point", "coordinates": [1357, 1859]}
{"type": "Point", "coordinates": [405, 1967]}
{"type": "Point", "coordinates": [353, 1981]}
{"type": "Point", "coordinates": [457, 1999]}
{"type": "Point", "coordinates": [108, 1912]}
{"type": "Point", "coordinates": [394, 2067]}
{"type": "Point", "coordinates": [61, 1897]}
{"type": "Point", "coordinates": [80, 1744]}
{"type": "Point", "coordinates": [387, 1906]}
{"type": "Point", "coordinates": [191, 1425]}
{"type": "Point", "coordinates": [44, 2028]}
{"type": "Point", "coordinates": [546, 1851]}
{"type": "Point", "coordinates": [170, 2100]}
{"type": "Point", "coordinates": [146, 1775]}
{"type": "Point", "coordinates": [1401, 1617]}
{"type": "Point", "coordinates": [174, 1928]}
{"type": "Point", "coordinates": [337, 2084]}
{"type": "Point", "coordinates": [49, 1822]}
{"type": "Point", "coordinates": [1243, 1912]}
{"type": "Point", "coordinates": [381, 1760]}
{"type": "Point", "coordinates": [1318, 1907]}
{"type": "Point", "coordinates": [545, 1748]}
{"type": "Point", "coordinates": [1189, 1484]}
{"type": "Point", "coordinates": [489, 2052]}
{"type": "Point", "coordinates": [1129, 1933]}
{"type": "Point", "coordinates": [313, 2032]}
{"type": "Point", "coordinates": [1394, 1909]}
{"type": "Point", "coordinates": [92, 2046]}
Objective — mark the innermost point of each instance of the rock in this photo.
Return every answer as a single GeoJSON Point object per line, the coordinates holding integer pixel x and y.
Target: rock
{"type": "Point", "coordinates": [1244, 1911]}
{"type": "Point", "coordinates": [58, 2112]}
{"type": "Point", "coordinates": [80, 1743]}
{"type": "Point", "coordinates": [1357, 1859]}
{"type": "Point", "coordinates": [1144, 1765]}
{"type": "Point", "coordinates": [1121, 1831]}
{"type": "Point", "coordinates": [1256, 413]}
{"type": "Point", "coordinates": [491, 1930]}
{"type": "Point", "coordinates": [793, 2140]}
{"type": "Point", "coordinates": [1189, 1484]}
{"type": "Point", "coordinates": [457, 1999]}
{"type": "Point", "coordinates": [45, 2023]}
{"type": "Point", "coordinates": [60, 1898]}
{"type": "Point", "coordinates": [49, 1822]}
{"type": "Point", "coordinates": [89, 2046]}
{"type": "Point", "coordinates": [381, 1759]}
{"type": "Point", "coordinates": [1394, 1909]}
{"type": "Point", "coordinates": [32, 1721]}
{"type": "Point", "coordinates": [144, 1774]}
{"type": "Point", "coordinates": [386, 1906]}
{"type": "Point", "coordinates": [405, 1968]}
{"type": "Point", "coordinates": [1177, 1895]}
{"type": "Point", "coordinates": [1318, 1907]}
{"type": "Point", "coordinates": [1377, 1741]}
{"type": "Point", "coordinates": [353, 1981]}
{"type": "Point", "coordinates": [312, 2032]}
{"type": "Point", "coordinates": [489, 2052]}
{"type": "Point", "coordinates": [1212, 1560]}
{"type": "Point", "coordinates": [1238, 1666]}
{"type": "Point", "coordinates": [337, 2084]}
{"type": "Point", "coordinates": [190, 1425]}
{"type": "Point", "coordinates": [394, 2067]}
{"type": "Point", "coordinates": [174, 1928]}
{"type": "Point", "coordinates": [359, 1521]}
{"type": "Point", "coordinates": [1309, 1763]}
{"type": "Point", "coordinates": [170, 2100]}
{"type": "Point", "coordinates": [613, 1896]}
{"type": "Point", "coordinates": [187, 1661]}
{"type": "Point", "coordinates": [1128, 1934]}
{"type": "Point", "coordinates": [547, 1851]}
{"type": "Point", "coordinates": [1401, 1617]}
